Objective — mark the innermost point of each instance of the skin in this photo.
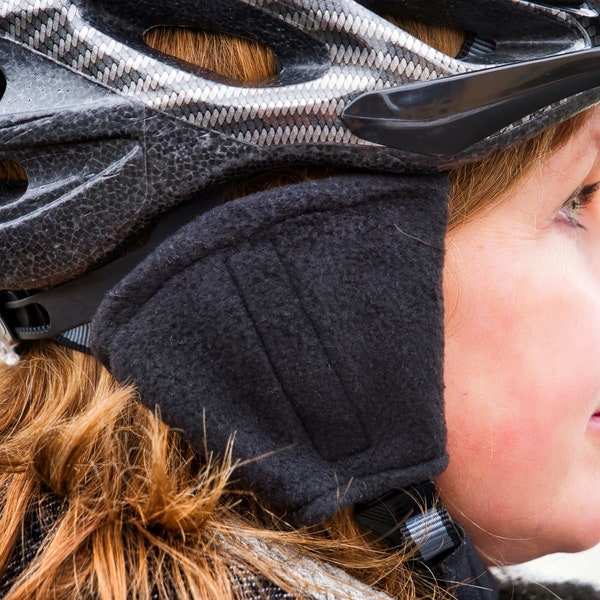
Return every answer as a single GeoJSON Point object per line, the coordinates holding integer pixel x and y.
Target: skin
{"type": "Point", "coordinates": [522, 294]}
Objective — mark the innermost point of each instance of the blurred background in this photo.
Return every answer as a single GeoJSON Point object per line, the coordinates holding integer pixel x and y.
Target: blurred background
{"type": "Point", "coordinates": [583, 566]}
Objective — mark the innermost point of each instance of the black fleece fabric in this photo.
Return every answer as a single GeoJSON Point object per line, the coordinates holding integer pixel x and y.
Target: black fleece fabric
{"type": "Point", "coordinates": [306, 322]}
{"type": "Point", "coordinates": [464, 573]}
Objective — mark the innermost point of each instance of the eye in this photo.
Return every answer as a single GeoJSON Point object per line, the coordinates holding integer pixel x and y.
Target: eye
{"type": "Point", "coordinates": [571, 208]}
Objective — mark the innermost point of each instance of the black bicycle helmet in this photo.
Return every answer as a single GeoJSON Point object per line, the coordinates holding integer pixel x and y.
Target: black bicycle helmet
{"type": "Point", "coordinates": [113, 134]}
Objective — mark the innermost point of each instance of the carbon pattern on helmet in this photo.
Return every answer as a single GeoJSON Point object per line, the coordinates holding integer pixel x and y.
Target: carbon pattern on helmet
{"type": "Point", "coordinates": [365, 51]}
{"type": "Point", "coordinates": [253, 115]}
{"type": "Point", "coordinates": [112, 134]}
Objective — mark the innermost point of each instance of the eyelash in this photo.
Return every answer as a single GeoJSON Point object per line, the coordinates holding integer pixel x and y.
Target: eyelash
{"type": "Point", "coordinates": [579, 199]}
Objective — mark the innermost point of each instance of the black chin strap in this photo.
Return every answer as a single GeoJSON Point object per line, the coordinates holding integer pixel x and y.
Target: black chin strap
{"type": "Point", "coordinates": [414, 518]}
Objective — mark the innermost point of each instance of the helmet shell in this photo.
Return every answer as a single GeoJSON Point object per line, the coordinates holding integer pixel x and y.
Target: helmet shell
{"type": "Point", "coordinates": [112, 133]}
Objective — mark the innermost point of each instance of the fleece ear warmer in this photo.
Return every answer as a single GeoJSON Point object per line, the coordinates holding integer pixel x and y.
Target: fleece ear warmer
{"type": "Point", "coordinates": [306, 322]}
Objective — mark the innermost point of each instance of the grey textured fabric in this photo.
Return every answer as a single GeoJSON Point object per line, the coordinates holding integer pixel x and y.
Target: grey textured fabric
{"type": "Point", "coordinates": [35, 529]}
{"type": "Point", "coordinates": [530, 590]}
{"type": "Point", "coordinates": [305, 321]}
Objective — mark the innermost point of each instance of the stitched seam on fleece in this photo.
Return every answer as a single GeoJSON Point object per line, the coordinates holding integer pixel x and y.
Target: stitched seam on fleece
{"type": "Point", "coordinates": [366, 478]}
{"type": "Point", "coordinates": [255, 233]}
{"type": "Point", "coordinates": [261, 341]}
{"type": "Point", "coordinates": [320, 339]}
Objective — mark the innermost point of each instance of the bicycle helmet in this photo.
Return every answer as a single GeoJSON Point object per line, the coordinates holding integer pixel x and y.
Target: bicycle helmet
{"type": "Point", "coordinates": [115, 136]}
{"type": "Point", "coordinates": [112, 133]}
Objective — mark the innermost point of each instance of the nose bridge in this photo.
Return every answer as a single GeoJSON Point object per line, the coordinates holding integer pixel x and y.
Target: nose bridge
{"type": "Point", "coordinates": [590, 237]}
{"type": "Point", "coordinates": [592, 214]}
{"type": "Point", "coordinates": [593, 235]}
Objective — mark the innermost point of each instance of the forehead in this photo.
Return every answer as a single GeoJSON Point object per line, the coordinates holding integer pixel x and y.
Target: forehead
{"type": "Point", "coordinates": [579, 153]}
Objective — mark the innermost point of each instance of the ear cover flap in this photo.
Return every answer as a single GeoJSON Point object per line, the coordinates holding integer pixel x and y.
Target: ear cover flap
{"type": "Point", "coordinates": [307, 322]}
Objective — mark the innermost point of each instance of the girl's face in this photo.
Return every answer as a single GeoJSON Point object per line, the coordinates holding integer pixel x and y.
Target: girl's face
{"type": "Point", "coordinates": [522, 367]}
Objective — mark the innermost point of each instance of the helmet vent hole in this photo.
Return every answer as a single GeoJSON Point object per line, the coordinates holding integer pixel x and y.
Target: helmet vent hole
{"type": "Point", "coordinates": [229, 56]}
{"type": "Point", "coordinates": [2, 84]}
{"type": "Point", "coordinates": [13, 180]}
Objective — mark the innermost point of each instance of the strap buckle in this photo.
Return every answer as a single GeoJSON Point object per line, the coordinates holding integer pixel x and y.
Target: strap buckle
{"type": "Point", "coordinates": [413, 517]}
